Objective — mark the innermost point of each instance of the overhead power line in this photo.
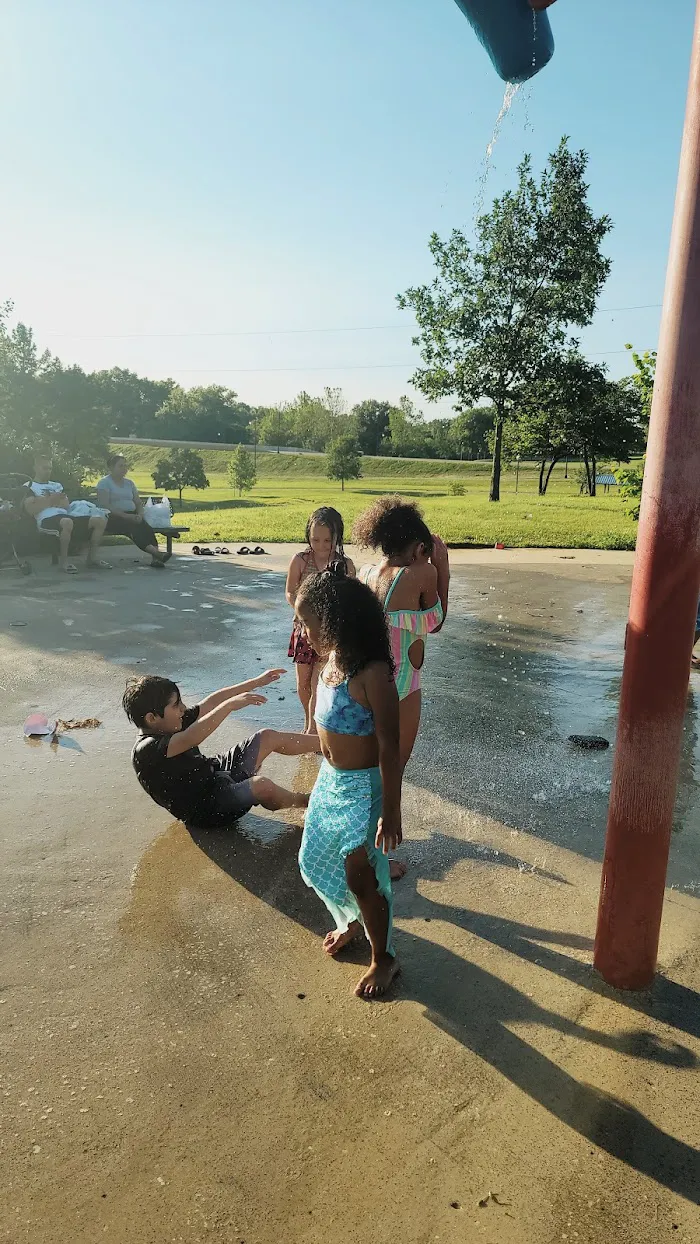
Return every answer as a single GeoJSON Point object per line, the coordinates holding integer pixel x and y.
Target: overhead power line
{"type": "Point", "coordinates": [192, 371]}
{"type": "Point", "coordinates": [288, 332]}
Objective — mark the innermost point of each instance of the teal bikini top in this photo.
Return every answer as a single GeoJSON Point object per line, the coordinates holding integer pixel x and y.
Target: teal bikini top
{"type": "Point", "coordinates": [337, 712]}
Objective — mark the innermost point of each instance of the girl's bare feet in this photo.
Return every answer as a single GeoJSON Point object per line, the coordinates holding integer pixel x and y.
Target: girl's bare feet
{"type": "Point", "coordinates": [376, 982]}
{"type": "Point", "coordinates": [335, 940]}
{"type": "Point", "coordinates": [397, 869]}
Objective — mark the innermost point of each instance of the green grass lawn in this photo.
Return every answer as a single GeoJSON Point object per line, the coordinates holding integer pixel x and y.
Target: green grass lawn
{"type": "Point", "coordinates": [290, 486]}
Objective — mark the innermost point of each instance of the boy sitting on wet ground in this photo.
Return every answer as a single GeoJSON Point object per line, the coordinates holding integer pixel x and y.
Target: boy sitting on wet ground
{"type": "Point", "coordinates": [206, 792]}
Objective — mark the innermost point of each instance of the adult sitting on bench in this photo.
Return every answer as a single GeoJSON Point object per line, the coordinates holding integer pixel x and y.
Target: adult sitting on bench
{"type": "Point", "coordinates": [55, 515]}
{"type": "Point", "coordinates": [120, 497]}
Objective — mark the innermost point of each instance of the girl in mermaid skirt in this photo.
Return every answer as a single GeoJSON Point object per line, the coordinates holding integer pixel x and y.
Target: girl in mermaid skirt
{"type": "Point", "coordinates": [354, 814]}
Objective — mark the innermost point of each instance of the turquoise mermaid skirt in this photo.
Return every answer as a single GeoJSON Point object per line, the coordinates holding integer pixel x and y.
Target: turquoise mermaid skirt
{"type": "Point", "coordinates": [343, 812]}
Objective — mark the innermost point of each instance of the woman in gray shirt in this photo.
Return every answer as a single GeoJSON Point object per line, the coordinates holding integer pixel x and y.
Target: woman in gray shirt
{"type": "Point", "coordinates": [120, 496]}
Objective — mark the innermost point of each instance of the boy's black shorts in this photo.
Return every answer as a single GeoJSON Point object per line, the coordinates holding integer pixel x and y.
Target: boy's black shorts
{"type": "Point", "coordinates": [233, 796]}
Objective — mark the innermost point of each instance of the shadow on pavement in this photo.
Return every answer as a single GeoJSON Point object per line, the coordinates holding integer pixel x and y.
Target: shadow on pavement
{"type": "Point", "coordinates": [477, 1008]}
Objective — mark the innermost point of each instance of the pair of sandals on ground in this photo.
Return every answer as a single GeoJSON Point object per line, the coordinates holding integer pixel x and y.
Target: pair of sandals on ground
{"type": "Point", "coordinates": [200, 550]}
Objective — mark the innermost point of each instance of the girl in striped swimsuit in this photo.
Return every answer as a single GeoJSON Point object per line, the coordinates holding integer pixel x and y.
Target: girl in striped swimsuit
{"type": "Point", "coordinates": [412, 583]}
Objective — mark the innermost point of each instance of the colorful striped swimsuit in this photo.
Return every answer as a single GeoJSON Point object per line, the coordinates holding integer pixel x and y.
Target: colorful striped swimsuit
{"type": "Point", "coordinates": [405, 627]}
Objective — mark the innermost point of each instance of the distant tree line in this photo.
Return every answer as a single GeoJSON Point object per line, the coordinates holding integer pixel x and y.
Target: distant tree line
{"type": "Point", "coordinates": [74, 414]}
{"type": "Point", "coordinates": [494, 328]}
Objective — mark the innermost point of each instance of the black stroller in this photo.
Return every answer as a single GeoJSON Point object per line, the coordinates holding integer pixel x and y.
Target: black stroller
{"type": "Point", "coordinates": [11, 490]}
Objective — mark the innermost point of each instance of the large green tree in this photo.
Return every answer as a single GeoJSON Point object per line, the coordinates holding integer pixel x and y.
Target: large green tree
{"type": "Point", "coordinates": [408, 435]}
{"type": "Point", "coordinates": [131, 401]}
{"type": "Point", "coordinates": [470, 432]}
{"type": "Point", "coordinates": [498, 310]}
{"type": "Point", "coordinates": [550, 410]}
{"type": "Point", "coordinates": [608, 426]}
{"type": "Point", "coordinates": [45, 405]}
{"type": "Point", "coordinates": [205, 413]}
{"type": "Point", "coordinates": [276, 425]}
{"type": "Point", "coordinates": [372, 424]}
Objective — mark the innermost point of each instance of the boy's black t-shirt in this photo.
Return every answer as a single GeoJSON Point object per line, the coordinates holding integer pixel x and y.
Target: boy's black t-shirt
{"type": "Point", "coordinates": [184, 784]}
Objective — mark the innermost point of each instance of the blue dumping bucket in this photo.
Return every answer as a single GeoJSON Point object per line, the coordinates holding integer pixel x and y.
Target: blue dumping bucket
{"type": "Point", "coordinates": [518, 40]}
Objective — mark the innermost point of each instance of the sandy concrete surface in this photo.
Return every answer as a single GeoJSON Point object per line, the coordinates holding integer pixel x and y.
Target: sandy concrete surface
{"type": "Point", "coordinates": [180, 1062]}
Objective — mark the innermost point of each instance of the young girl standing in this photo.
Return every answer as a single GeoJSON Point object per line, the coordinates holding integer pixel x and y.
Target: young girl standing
{"type": "Point", "coordinates": [411, 582]}
{"type": "Point", "coordinates": [324, 540]}
{"type": "Point", "coordinates": [354, 814]}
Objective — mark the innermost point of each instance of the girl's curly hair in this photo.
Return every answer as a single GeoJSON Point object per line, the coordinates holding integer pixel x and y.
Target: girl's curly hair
{"type": "Point", "coordinates": [391, 524]}
{"type": "Point", "coordinates": [353, 622]}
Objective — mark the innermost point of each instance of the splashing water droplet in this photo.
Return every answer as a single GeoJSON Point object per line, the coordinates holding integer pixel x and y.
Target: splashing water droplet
{"type": "Point", "coordinates": [534, 38]}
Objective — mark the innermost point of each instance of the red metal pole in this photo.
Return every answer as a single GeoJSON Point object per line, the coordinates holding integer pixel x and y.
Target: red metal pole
{"type": "Point", "coordinates": [663, 606]}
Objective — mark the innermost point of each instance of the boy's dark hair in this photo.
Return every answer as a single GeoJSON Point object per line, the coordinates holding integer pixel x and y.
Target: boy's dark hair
{"type": "Point", "coordinates": [149, 694]}
{"type": "Point", "coordinates": [327, 516]}
{"type": "Point", "coordinates": [391, 524]}
{"type": "Point", "coordinates": [352, 620]}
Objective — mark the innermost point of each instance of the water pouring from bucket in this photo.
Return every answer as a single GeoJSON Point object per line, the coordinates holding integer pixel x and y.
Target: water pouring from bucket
{"type": "Point", "coordinates": [516, 34]}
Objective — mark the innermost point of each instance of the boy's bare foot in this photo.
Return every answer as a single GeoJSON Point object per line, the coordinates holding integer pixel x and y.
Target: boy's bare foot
{"type": "Point", "coordinates": [376, 982]}
{"type": "Point", "coordinates": [397, 869]}
{"type": "Point", "coordinates": [335, 940]}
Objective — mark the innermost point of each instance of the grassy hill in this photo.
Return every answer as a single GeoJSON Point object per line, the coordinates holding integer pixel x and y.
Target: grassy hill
{"type": "Point", "coordinates": [142, 458]}
{"type": "Point", "coordinates": [290, 486]}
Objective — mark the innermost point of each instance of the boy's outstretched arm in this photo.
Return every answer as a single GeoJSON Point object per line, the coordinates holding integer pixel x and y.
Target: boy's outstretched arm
{"type": "Point", "coordinates": [227, 693]}
{"type": "Point", "coordinates": [207, 723]}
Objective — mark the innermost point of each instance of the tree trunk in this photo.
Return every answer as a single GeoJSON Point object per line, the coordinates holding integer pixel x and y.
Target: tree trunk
{"type": "Point", "coordinates": [541, 487]}
{"type": "Point", "coordinates": [587, 465]}
{"type": "Point", "coordinates": [549, 475]}
{"type": "Point", "coordinates": [495, 489]}
{"type": "Point", "coordinates": [593, 475]}
{"type": "Point", "coordinates": [342, 484]}
{"type": "Point", "coordinates": [180, 491]}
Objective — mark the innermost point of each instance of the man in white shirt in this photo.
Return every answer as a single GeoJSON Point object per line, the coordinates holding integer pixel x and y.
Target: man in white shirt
{"type": "Point", "coordinates": [54, 514]}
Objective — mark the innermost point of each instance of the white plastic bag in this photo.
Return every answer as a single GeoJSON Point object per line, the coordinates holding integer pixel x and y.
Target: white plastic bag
{"type": "Point", "coordinates": [158, 513]}
{"type": "Point", "coordinates": [86, 509]}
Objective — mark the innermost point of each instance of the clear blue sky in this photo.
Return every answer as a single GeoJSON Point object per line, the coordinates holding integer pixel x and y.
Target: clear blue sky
{"type": "Point", "coordinates": [176, 169]}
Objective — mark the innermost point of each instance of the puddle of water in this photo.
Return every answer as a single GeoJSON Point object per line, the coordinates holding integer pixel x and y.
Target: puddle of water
{"type": "Point", "coordinates": [500, 748]}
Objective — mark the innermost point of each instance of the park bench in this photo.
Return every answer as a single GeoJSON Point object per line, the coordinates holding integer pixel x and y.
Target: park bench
{"type": "Point", "coordinates": [170, 533]}
{"type": "Point", "coordinates": [606, 481]}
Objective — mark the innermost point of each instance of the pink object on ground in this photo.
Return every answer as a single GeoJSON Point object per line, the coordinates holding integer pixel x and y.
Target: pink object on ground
{"type": "Point", "coordinates": [38, 725]}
